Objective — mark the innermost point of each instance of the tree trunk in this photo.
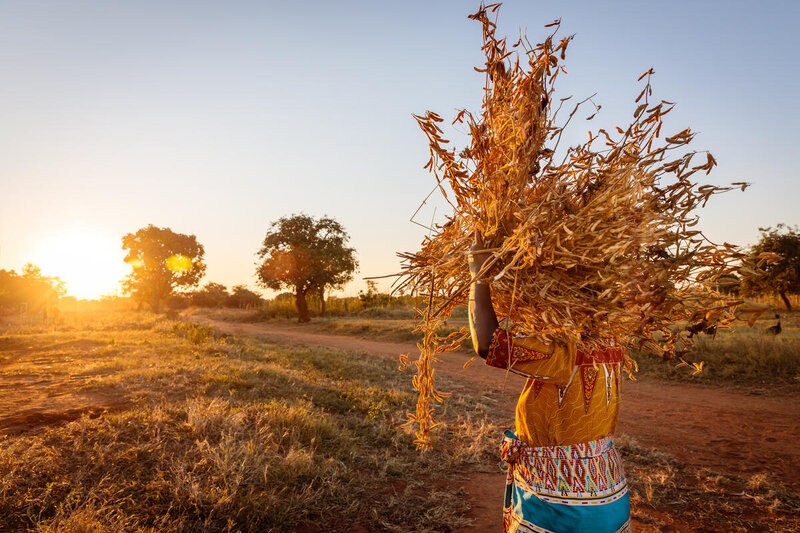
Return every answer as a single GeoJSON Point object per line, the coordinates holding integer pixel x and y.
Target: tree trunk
{"type": "Point", "coordinates": [785, 300]}
{"type": "Point", "coordinates": [322, 301]}
{"type": "Point", "coordinates": [155, 304]}
{"type": "Point", "coordinates": [302, 307]}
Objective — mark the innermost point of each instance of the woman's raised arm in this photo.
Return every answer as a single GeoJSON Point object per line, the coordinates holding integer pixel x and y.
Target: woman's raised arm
{"type": "Point", "coordinates": [482, 319]}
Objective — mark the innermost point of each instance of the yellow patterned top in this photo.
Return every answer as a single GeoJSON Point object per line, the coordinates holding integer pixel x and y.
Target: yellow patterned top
{"type": "Point", "coordinates": [570, 396]}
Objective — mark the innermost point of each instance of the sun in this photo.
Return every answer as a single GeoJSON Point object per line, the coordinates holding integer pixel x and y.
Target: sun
{"type": "Point", "coordinates": [89, 261]}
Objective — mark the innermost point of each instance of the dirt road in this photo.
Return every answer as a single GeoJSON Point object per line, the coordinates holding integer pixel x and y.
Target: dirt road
{"type": "Point", "coordinates": [728, 432]}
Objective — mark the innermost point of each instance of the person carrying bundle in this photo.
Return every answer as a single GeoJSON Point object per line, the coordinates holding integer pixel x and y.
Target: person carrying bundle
{"type": "Point", "coordinates": [583, 244]}
{"type": "Point", "coordinates": [564, 473]}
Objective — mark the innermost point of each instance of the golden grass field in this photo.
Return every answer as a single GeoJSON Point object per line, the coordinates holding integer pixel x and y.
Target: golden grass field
{"type": "Point", "coordinates": [123, 421]}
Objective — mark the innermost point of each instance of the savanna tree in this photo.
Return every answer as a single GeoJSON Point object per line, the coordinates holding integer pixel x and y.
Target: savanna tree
{"type": "Point", "coordinates": [161, 261]}
{"type": "Point", "coordinates": [337, 262]}
{"type": "Point", "coordinates": [782, 276]}
{"type": "Point", "coordinates": [305, 255]}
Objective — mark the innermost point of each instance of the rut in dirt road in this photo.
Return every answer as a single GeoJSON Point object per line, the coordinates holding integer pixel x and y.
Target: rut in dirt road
{"type": "Point", "coordinates": [728, 432]}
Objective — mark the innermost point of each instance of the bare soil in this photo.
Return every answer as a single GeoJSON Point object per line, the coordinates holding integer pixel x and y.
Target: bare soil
{"type": "Point", "coordinates": [43, 387]}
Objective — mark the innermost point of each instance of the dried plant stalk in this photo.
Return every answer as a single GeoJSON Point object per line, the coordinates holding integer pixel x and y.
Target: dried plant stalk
{"type": "Point", "coordinates": [595, 241]}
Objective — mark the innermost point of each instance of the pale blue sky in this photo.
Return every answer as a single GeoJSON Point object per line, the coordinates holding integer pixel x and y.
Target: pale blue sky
{"type": "Point", "coordinates": [217, 118]}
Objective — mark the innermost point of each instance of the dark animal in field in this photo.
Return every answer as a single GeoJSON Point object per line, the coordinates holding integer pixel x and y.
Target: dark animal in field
{"type": "Point", "coordinates": [703, 326]}
{"type": "Point", "coordinates": [776, 329]}
{"type": "Point", "coordinates": [694, 329]}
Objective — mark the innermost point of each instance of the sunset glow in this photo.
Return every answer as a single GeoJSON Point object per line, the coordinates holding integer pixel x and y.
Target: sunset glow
{"type": "Point", "coordinates": [90, 263]}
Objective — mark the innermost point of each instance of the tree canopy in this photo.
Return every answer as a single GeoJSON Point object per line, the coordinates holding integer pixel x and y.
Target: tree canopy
{"type": "Point", "coordinates": [161, 261]}
{"type": "Point", "coordinates": [305, 255]}
{"type": "Point", "coordinates": [782, 276]}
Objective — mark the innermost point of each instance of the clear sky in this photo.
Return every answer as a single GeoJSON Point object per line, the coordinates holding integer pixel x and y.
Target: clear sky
{"type": "Point", "coordinates": [215, 118]}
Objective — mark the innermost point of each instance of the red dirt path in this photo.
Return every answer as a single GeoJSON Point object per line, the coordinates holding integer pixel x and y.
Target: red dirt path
{"type": "Point", "coordinates": [728, 432]}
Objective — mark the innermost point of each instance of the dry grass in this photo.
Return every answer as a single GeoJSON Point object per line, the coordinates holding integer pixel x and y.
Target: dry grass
{"type": "Point", "coordinates": [667, 493]}
{"type": "Point", "coordinates": [396, 325]}
{"type": "Point", "coordinates": [743, 356]}
{"type": "Point", "coordinates": [746, 356]}
{"type": "Point", "coordinates": [231, 434]}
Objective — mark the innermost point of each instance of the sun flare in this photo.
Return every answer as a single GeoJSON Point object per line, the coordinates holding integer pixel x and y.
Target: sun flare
{"type": "Point", "coordinates": [90, 262]}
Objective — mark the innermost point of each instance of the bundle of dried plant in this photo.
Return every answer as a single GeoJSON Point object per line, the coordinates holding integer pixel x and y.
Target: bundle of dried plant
{"type": "Point", "coordinates": [596, 241]}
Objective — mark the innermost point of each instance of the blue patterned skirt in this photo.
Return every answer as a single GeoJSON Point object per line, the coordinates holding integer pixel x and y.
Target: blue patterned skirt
{"type": "Point", "coordinates": [558, 489]}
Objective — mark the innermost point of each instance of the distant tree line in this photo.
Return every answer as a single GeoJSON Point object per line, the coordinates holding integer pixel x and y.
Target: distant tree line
{"type": "Point", "coordinates": [309, 257]}
{"type": "Point", "coordinates": [372, 297]}
{"type": "Point", "coordinates": [217, 295]}
{"type": "Point", "coordinates": [28, 291]}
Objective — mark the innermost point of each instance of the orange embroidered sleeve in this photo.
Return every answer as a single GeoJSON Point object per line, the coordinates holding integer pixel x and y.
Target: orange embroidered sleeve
{"type": "Point", "coordinates": [530, 357]}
